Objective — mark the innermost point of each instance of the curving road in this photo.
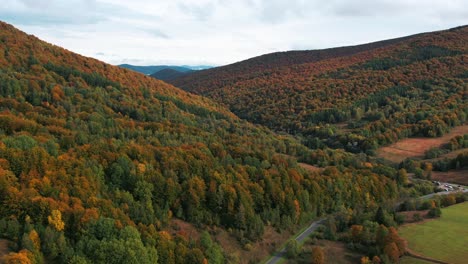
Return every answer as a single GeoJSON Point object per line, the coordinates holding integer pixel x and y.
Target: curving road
{"type": "Point", "coordinates": [276, 258]}
{"type": "Point", "coordinates": [300, 238]}
{"type": "Point", "coordinates": [442, 185]}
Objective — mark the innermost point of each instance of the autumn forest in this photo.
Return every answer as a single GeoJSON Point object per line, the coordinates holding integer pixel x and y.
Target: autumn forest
{"type": "Point", "coordinates": [97, 162]}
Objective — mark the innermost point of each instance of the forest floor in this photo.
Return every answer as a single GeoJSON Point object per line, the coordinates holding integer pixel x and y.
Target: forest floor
{"type": "Point", "coordinates": [253, 252]}
{"type": "Point", "coordinates": [335, 252]}
{"type": "Point", "coordinates": [4, 249]}
{"type": "Point", "coordinates": [416, 147]}
{"type": "Point", "coordinates": [444, 238]}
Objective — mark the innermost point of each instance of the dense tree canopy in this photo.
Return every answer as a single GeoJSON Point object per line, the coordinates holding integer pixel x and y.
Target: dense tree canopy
{"type": "Point", "coordinates": [95, 162]}
{"type": "Point", "coordinates": [414, 86]}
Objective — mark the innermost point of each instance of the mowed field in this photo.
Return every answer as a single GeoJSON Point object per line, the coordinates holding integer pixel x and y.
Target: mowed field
{"type": "Point", "coordinates": [444, 239]}
{"type": "Point", "coordinates": [416, 147]}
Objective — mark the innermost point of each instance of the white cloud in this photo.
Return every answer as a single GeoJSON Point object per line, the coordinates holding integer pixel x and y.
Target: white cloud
{"type": "Point", "coordinates": [222, 31]}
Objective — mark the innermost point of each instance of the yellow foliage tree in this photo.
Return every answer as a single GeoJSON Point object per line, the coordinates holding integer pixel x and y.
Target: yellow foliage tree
{"type": "Point", "coordinates": [21, 257]}
{"type": "Point", "coordinates": [34, 236]}
{"type": "Point", "coordinates": [365, 260]}
{"type": "Point", "coordinates": [55, 220]}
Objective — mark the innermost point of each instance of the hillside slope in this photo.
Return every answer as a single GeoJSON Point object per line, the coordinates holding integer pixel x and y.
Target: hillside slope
{"type": "Point", "coordinates": [206, 80]}
{"type": "Point", "coordinates": [96, 160]}
{"type": "Point", "coordinates": [169, 74]}
{"type": "Point", "coordinates": [380, 91]}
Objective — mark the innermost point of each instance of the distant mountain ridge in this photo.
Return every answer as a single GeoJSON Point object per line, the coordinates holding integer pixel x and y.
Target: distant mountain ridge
{"type": "Point", "coordinates": [148, 70]}
{"type": "Point", "coordinates": [203, 81]}
{"type": "Point", "coordinates": [169, 74]}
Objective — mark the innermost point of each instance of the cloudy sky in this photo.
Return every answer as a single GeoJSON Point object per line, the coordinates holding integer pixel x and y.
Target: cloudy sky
{"type": "Point", "coordinates": [217, 32]}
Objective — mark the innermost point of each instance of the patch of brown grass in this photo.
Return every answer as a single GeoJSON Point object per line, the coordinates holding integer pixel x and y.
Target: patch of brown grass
{"type": "Point", "coordinates": [409, 215]}
{"type": "Point", "coordinates": [453, 176]}
{"type": "Point", "coordinates": [310, 168]}
{"type": "Point", "coordinates": [185, 229]}
{"type": "Point", "coordinates": [4, 249]}
{"type": "Point", "coordinates": [450, 155]}
{"type": "Point", "coordinates": [257, 251]}
{"type": "Point", "coordinates": [416, 147]}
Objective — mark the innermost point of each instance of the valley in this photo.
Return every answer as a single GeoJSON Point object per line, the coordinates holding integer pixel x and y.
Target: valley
{"type": "Point", "coordinates": [314, 155]}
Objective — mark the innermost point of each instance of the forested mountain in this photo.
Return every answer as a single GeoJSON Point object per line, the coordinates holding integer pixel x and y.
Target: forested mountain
{"type": "Point", "coordinates": [206, 79]}
{"type": "Point", "coordinates": [148, 70]}
{"type": "Point", "coordinates": [96, 161]}
{"type": "Point", "coordinates": [379, 92]}
{"type": "Point", "coordinates": [169, 74]}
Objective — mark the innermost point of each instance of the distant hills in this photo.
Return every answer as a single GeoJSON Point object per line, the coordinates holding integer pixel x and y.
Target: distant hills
{"type": "Point", "coordinates": [148, 70]}
{"type": "Point", "coordinates": [169, 74]}
{"type": "Point", "coordinates": [380, 90]}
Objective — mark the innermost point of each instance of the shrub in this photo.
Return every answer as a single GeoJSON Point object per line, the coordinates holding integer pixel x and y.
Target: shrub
{"type": "Point", "coordinates": [434, 212]}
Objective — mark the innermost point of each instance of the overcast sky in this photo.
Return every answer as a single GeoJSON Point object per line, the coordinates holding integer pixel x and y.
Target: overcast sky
{"type": "Point", "coordinates": [217, 32]}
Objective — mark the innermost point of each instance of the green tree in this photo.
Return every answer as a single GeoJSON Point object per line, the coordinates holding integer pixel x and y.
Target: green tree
{"type": "Point", "coordinates": [292, 249]}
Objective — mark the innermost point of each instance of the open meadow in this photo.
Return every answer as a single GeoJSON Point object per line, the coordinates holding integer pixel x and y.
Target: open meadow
{"type": "Point", "coordinates": [453, 176]}
{"type": "Point", "coordinates": [416, 147]}
{"type": "Point", "coordinates": [444, 239]}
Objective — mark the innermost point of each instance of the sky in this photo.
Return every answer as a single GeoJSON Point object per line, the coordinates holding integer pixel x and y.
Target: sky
{"type": "Point", "coordinates": [219, 32]}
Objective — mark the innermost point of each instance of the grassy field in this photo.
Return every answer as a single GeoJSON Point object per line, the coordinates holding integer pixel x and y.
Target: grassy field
{"type": "Point", "coordinates": [444, 239]}
{"type": "Point", "coordinates": [416, 147]}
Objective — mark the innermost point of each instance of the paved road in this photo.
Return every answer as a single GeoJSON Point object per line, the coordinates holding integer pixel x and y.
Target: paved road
{"type": "Point", "coordinates": [300, 238]}
{"type": "Point", "coordinates": [442, 185]}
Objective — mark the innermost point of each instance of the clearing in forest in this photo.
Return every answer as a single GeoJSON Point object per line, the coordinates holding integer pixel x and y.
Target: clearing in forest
{"type": "Point", "coordinates": [335, 252]}
{"type": "Point", "coordinates": [310, 168]}
{"type": "Point", "coordinates": [444, 239]}
{"type": "Point", "coordinates": [452, 176]}
{"type": "Point", "coordinates": [416, 147]}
